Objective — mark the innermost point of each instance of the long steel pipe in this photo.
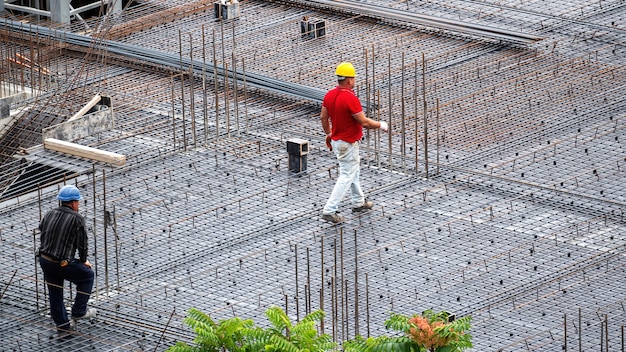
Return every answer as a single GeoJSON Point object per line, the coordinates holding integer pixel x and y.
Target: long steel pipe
{"type": "Point", "coordinates": [387, 13]}
{"type": "Point", "coordinates": [172, 60]}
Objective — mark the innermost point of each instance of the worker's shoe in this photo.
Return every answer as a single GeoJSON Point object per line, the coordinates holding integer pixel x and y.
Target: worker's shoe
{"type": "Point", "coordinates": [334, 218]}
{"type": "Point", "coordinates": [90, 313]}
{"type": "Point", "coordinates": [366, 206]}
{"type": "Point", "coordinates": [65, 331]}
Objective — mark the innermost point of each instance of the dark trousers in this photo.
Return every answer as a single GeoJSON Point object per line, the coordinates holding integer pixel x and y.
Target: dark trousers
{"type": "Point", "coordinates": [78, 274]}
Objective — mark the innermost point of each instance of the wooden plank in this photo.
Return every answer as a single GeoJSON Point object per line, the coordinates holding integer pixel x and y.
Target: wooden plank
{"type": "Point", "coordinates": [84, 151]}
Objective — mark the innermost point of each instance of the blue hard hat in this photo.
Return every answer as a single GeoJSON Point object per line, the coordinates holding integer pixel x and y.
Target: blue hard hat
{"type": "Point", "coordinates": [69, 193]}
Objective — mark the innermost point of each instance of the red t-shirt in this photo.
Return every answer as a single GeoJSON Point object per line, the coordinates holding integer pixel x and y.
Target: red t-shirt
{"type": "Point", "coordinates": [341, 104]}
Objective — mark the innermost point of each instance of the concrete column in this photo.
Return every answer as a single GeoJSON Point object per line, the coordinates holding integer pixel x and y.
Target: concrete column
{"type": "Point", "coordinates": [60, 11]}
{"type": "Point", "coordinates": [1, 5]}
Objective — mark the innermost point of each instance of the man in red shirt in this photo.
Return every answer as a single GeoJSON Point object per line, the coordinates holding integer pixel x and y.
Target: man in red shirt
{"type": "Point", "coordinates": [343, 120]}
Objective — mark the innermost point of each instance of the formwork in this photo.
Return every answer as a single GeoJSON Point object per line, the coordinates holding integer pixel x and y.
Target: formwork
{"type": "Point", "coordinates": [499, 189]}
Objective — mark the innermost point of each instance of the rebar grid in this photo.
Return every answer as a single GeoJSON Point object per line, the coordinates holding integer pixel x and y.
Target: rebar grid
{"type": "Point", "coordinates": [519, 221]}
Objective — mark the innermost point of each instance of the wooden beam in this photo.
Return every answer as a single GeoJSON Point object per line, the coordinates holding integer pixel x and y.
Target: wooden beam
{"type": "Point", "coordinates": [84, 151]}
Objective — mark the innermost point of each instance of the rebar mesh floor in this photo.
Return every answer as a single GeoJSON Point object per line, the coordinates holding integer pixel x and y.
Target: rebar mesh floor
{"type": "Point", "coordinates": [515, 216]}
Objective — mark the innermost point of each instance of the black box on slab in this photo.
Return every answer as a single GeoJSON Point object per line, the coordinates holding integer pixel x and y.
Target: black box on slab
{"type": "Point", "coordinates": [297, 163]}
{"type": "Point", "coordinates": [297, 146]}
{"type": "Point", "coordinates": [312, 28]}
{"type": "Point", "coordinates": [226, 10]}
{"type": "Point", "coordinates": [297, 150]}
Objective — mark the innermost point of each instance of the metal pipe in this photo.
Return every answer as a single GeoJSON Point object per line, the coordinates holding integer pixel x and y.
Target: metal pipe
{"type": "Point", "coordinates": [388, 13]}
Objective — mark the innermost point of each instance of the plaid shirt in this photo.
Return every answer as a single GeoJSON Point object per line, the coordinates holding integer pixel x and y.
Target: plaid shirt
{"type": "Point", "coordinates": [63, 233]}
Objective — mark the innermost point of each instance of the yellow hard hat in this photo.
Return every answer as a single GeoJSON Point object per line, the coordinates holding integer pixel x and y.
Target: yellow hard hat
{"type": "Point", "coordinates": [345, 69]}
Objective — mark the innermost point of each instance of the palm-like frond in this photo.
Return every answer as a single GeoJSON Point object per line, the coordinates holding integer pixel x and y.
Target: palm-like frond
{"type": "Point", "coordinates": [398, 322]}
{"type": "Point", "coordinates": [278, 318]}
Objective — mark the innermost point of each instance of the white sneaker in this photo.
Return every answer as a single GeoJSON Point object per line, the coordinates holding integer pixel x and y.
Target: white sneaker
{"type": "Point", "coordinates": [90, 313]}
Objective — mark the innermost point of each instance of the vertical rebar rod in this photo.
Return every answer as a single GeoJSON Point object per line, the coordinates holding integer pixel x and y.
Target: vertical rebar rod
{"type": "Point", "coordinates": [182, 87]}
{"type": "Point", "coordinates": [437, 130]}
{"type": "Point", "coordinates": [367, 303]}
{"type": "Point", "coordinates": [192, 98]}
{"type": "Point", "coordinates": [245, 93]}
{"type": "Point", "coordinates": [286, 304]}
{"type": "Point", "coordinates": [425, 117]}
{"type": "Point", "coordinates": [39, 201]}
{"type": "Point", "coordinates": [216, 88]}
{"type": "Point", "coordinates": [106, 255]}
{"type": "Point", "coordinates": [225, 74]}
{"type": "Point", "coordinates": [565, 332]}
{"type": "Point", "coordinates": [31, 41]}
{"type": "Point", "coordinates": [22, 83]}
{"type": "Point", "coordinates": [367, 105]}
{"type": "Point", "coordinates": [343, 278]}
{"type": "Point", "coordinates": [36, 271]}
{"type": "Point", "coordinates": [117, 253]}
{"type": "Point", "coordinates": [235, 88]}
{"type": "Point", "coordinates": [606, 331]}
{"type": "Point", "coordinates": [377, 141]}
{"type": "Point", "coordinates": [602, 336]}
{"type": "Point", "coordinates": [415, 120]}
{"type": "Point", "coordinates": [622, 338]}
{"type": "Point", "coordinates": [376, 104]}
{"type": "Point", "coordinates": [173, 112]}
{"type": "Point", "coordinates": [402, 117]}
{"type": "Point", "coordinates": [356, 286]}
{"type": "Point", "coordinates": [321, 292]}
{"type": "Point", "coordinates": [346, 335]}
{"type": "Point", "coordinates": [308, 280]}
{"type": "Point", "coordinates": [182, 98]}
{"type": "Point", "coordinates": [390, 109]}
{"type": "Point", "coordinates": [580, 330]}
{"type": "Point", "coordinates": [226, 100]}
{"type": "Point", "coordinates": [335, 301]}
{"type": "Point", "coordinates": [333, 311]}
{"type": "Point", "coordinates": [295, 253]}
{"type": "Point", "coordinates": [95, 239]}
{"type": "Point", "coordinates": [205, 113]}
{"type": "Point", "coordinates": [322, 281]}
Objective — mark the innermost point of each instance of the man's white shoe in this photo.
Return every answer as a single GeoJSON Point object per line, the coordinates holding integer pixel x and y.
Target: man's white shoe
{"type": "Point", "coordinates": [90, 313]}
